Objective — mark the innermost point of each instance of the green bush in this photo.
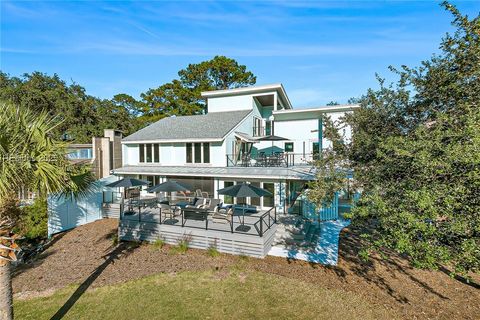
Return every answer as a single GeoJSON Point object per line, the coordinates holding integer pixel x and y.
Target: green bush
{"type": "Point", "coordinates": [158, 244]}
{"type": "Point", "coordinates": [33, 222]}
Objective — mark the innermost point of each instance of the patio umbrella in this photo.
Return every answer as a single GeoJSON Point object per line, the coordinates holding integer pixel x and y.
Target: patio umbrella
{"type": "Point", "coordinates": [272, 138]}
{"type": "Point", "coordinates": [127, 183]}
{"type": "Point", "coordinates": [169, 186]}
{"type": "Point", "coordinates": [244, 190]}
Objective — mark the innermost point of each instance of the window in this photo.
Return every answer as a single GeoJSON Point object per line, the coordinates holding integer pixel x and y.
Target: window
{"type": "Point", "coordinates": [189, 153]}
{"type": "Point", "coordinates": [147, 154]}
{"type": "Point", "coordinates": [257, 127]}
{"type": "Point", "coordinates": [288, 146]}
{"type": "Point", "coordinates": [268, 201]}
{"type": "Point", "coordinates": [269, 128]}
{"type": "Point", "coordinates": [315, 150]}
{"type": "Point", "coordinates": [156, 153]}
{"type": "Point", "coordinates": [254, 200]}
{"type": "Point", "coordinates": [206, 153]}
{"type": "Point", "coordinates": [228, 199]}
{"type": "Point", "coordinates": [142, 152]}
{"type": "Point", "coordinates": [198, 152]}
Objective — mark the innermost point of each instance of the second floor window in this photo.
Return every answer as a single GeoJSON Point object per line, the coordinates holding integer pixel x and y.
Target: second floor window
{"type": "Point", "coordinates": [149, 153]}
{"type": "Point", "coordinates": [198, 152]}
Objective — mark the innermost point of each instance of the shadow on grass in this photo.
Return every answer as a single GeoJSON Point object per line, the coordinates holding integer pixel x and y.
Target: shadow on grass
{"type": "Point", "coordinates": [122, 249]}
{"type": "Point", "coordinates": [349, 248]}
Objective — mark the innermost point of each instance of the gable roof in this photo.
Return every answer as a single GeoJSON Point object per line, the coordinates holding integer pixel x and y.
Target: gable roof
{"type": "Point", "coordinates": [213, 126]}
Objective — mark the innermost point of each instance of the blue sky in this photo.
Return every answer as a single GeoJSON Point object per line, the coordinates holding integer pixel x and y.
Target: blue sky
{"type": "Point", "coordinates": [320, 51]}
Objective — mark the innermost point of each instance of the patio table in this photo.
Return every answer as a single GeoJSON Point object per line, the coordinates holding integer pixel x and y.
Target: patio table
{"type": "Point", "coordinates": [195, 213]}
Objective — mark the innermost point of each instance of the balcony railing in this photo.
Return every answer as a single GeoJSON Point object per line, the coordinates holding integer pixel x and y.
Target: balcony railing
{"type": "Point", "coordinates": [279, 159]}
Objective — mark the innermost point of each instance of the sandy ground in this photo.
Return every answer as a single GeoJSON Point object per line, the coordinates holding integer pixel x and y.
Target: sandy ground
{"type": "Point", "coordinates": [87, 252]}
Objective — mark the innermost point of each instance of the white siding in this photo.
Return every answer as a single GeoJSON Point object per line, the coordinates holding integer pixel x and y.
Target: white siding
{"type": "Point", "coordinates": [130, 154]}
{"type": "Point", "coordinates": [298, 131]}
{"type": "Point", "coordinates": [230, 103]}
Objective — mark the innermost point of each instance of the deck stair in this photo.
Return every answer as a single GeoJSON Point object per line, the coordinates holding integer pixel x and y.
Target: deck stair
{"type": "Point", "coordinates": [296, 231]}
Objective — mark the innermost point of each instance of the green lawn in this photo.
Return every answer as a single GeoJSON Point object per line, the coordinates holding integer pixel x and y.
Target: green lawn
{"type": "Point", "coordinates": [205, 295]}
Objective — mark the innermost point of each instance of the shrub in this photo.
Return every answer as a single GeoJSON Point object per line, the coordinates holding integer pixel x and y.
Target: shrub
{"type": "Point", "coordinates": [114, 239]}
{"type": "Point", "coordinates": [212, 250]}
{"type": "Point", "coordinates": [182, 245]}
{"type": "Point", "coordinates": [33, 222]}
{"type": "Point", "coordinates": [158, 243]}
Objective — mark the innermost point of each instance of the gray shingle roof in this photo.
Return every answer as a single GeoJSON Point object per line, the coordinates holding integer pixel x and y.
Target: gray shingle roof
{"type": "Point", "coordinates": [213, 125]}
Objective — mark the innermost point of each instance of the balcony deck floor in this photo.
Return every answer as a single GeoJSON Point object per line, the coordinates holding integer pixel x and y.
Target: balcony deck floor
{"type": "Point", "coordinates": [251, 226]}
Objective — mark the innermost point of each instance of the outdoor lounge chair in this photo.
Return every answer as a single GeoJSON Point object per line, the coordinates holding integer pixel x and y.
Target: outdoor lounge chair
{"type": "Point", "coordinates": [198, 204]}
{"type": "Point", "coordinates": [213, 205]}
{"type": "Point", "coordinates": [223, 216]}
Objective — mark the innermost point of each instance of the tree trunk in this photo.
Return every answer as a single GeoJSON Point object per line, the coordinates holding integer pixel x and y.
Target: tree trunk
{"type": "Point", "coordinates": [6, 307]}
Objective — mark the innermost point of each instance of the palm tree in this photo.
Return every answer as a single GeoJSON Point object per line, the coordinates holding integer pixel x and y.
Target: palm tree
{"type": "Point", "coordinates": [30, 157]}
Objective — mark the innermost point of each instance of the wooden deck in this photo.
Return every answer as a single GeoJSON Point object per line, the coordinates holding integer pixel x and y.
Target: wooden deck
{"type": "Point", "coordinates": [245, 239]}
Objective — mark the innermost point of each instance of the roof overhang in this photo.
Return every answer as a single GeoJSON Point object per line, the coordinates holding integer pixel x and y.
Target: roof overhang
{"type": "Point", "coordinates": [274, 173]}
{"type": "Point", "coordinates": [312, 113]}
{"type": "Point", "coordinates": [173, 140]}
{"type": "Point", "coordinates": [277, 87]}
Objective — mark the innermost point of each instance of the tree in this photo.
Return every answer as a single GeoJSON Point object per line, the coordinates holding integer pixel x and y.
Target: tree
{"type": "Point", "coordinates": [29, 157]}
{"type": "Point", "coordinates": [183, 96]}
{"type": "Point", "coordinates": [82, 116]}
{"type": "Point", "coordinates": [167, 100]}
{"type": "Point", "coordinates": [415, 152]}
{"type": "Point", "coordinates": [216, 74]}
{"type": "Point", "coordinates": [331, 168]}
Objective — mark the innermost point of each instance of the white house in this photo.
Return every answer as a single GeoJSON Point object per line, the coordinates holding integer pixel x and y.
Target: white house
{"type": "Point", "coordinates": [222, 147]}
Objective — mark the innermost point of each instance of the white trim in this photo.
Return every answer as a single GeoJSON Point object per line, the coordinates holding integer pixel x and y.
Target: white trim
{"type": "Point", "coordinates": [278, 87]}
{"type": "Point", "coordinates": [215, 175]}
{"type": "Point", "coordinates": [173, 140]}
{"type": "Point", "coordinates": [325, 109]}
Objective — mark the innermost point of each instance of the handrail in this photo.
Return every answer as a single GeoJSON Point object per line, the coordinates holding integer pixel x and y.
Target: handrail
{"type": "Point", "coordinates": [285, 159]}
{"type": "Point", "coordinates": [264, 223]}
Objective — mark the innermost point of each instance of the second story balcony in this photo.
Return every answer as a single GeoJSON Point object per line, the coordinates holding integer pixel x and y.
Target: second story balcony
{"type": "Point", "coordinates": [277, 159]}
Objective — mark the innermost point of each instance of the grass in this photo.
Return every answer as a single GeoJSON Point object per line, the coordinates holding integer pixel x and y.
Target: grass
{"type": "Point", "coordinates": [200, 295]}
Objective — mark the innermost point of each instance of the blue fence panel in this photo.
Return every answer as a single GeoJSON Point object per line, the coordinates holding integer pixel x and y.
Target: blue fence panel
{"type": "Point", "coordinates": [326, 212]}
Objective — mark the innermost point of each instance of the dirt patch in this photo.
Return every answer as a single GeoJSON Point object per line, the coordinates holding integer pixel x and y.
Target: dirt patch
{"type": "Point", "coordinates": [87, 255]}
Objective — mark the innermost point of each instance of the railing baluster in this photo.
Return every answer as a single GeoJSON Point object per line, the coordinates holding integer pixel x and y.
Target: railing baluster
{"type": "Point", "coordinates": [261, 226]}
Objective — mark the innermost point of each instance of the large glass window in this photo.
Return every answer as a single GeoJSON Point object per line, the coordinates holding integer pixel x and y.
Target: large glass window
{"type": "Point", "coordinates": [241, 200]}
{"type": "Point", "coordinates": [156, 153]}
{"type": "Point", "coordinates": [268, 201]}
{"type": "Point", "coordinates": [254, 200]}
{"type": "Point", "coordinates": [189, 153]}
{"type": "Point", "coordinates": [198, 152]}
{"type": "Point", "coordinates": [228, 199]}
{"type": "Point", "coordinates": [148, 152]}
{"type": "Point", "coordinates": [142, 152]}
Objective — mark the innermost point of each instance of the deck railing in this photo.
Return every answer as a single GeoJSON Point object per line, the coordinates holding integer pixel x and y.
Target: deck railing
{"type": "Point", "coordinates": [283, 159]}
{"type": "Point", "coordinates": [264, 222]}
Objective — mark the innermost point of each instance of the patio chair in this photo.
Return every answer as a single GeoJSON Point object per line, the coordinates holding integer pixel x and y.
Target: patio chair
{"type": "Point", "coordinates": [223, 216]}
{"type": "Point", "coordinates": [201, 194]}
{"type": "Point", "coordinates": [213, 205]}
{"type": "Point", "coordinates": [167, 210]}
